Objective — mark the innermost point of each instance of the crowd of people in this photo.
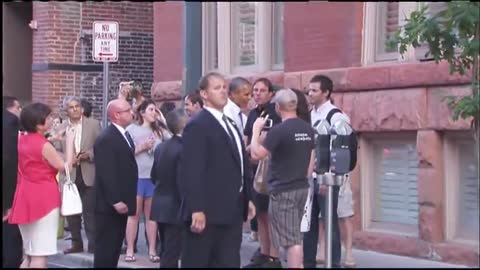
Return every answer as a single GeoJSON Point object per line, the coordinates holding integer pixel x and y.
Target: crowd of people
{"type": "Point", "coordinates": [189, 171]}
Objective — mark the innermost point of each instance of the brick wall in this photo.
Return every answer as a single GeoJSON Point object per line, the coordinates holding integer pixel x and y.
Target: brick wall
{"type": "Point", "coordinates": [322, 35]}
{"type": "Point", "coordinates": [64, 37]}
{"type": "Point", "coordinates": [168, 29]}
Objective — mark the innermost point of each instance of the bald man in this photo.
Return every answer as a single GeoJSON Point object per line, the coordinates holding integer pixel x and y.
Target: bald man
{"type": "Point", "coordinates": [115, 184]}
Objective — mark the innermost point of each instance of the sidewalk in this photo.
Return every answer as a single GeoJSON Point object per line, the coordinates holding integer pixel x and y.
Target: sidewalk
{"type": "Point", "coordinates": [364, 259]}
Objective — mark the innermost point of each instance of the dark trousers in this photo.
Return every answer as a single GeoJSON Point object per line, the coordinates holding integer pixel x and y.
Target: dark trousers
{"type": "Point", "coordinates": [218, 246]}
{"type": "Point", "coordinates": [87, 194]}
{"type": "Point", "coordinates": [108, 239]}
{"type": "Point", "coordinates": [12, 246]}
{"type": "Point", "coordinates": [310, 238]}
{"type": "Point", "coordinates": [171, 238]}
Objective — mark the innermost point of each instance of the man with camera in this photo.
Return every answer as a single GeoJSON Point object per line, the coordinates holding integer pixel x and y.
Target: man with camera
{"type": "Point", "coordinates": [290, 145]}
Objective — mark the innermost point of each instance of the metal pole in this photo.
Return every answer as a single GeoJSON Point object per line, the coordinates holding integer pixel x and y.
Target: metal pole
{"type": "Point", "coordinates": [328, 228]}
{"type": "Point", "coordinates": [105, 94]}
{"type": "Point", "coordinates": [192, 47]}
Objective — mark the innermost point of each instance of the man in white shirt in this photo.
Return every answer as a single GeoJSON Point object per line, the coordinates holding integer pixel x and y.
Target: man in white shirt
{"type": "Point", "coordinates": [239, 93]}
{"type": "Point", "coordinates": [320, 89]}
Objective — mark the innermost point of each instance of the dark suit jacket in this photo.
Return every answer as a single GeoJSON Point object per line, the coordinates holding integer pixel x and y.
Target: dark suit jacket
{"type": "Point", "coordinates": [9, 158]}
{"type": "Point", "coordinates": [166, 167]}
{"type": "Point", "coordinates": [210, 178]}
{"type": "Point", "coordinates": [116, 172]}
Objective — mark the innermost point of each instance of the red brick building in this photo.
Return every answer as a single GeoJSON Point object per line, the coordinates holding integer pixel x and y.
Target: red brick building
{"type": "Point", "coordinates": [55, 58]}
{"type": "Point", "coordinates": [414, 193]}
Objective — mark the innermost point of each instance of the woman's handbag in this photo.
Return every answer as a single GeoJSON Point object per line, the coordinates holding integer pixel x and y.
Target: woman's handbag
{"type": "Point", "coordinates": [260, 180]}
{"type": "Point", "coordinates": [71, 201]}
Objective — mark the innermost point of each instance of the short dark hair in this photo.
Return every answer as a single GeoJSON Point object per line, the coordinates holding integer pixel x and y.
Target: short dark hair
{"type": "Point", "coordinates": [195, 98]}
{"type": "Point", "coordinates": [267, 83]}
{"type": "Point", "coordinates": [205, 80]}
{"type": "Point", "coordinates": [33, 115]}
{"type": "Point", "coordinates": [8, 102]}
{"type": "Point", "coordinates": [326, 84]}
{"type": "Point", "coordinates": [87, 107]}
{"type": "Point", "coordinates": [176, 120]}
{"type": "Point", "coordinates": [236, 83]}
{"type": "Point", "coordinates": [302, 106]}
{"type": "Point", "coordinates": [167, 107]}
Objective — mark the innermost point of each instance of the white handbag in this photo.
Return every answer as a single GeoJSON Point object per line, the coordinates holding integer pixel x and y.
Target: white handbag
{"type": "Point", "coordinates": [307, 213]}
{"type": "Point", "coordinates": [71, 201]}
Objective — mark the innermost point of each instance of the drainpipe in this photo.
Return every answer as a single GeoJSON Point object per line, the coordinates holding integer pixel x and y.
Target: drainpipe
{"type": "Point", "coordinates": [192, 46]}
{"type": "Point", "coordinates": [79, 36]}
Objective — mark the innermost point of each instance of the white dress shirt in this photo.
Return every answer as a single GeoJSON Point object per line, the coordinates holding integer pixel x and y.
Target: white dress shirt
{"type": "Point", "coordinates": [77, 134]}
{"type": "Point", "coordinates": [219, 116]}
{"type": "Point", "coordinates": [321, 113]}
{"type": "Point", "coordinates": [235, 113]}
{"type": "Point", "coordinates": [122, 130]}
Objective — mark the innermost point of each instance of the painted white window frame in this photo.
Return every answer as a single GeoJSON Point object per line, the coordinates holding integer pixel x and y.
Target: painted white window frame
{"type": "Point", "coordinates": [279, 66]}
{"type": "Point", "coordinates": [452, 186]}
{"type": "Point", "coordinates": [207, 42]}
{"type": "Point", "coordinates": [263, 40]}
{"type": "Point", "coordinates": [371, 31]}
{"type": "Point", "coordinates": [367, 169]}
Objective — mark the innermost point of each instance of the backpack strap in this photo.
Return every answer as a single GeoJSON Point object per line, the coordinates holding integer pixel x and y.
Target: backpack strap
{"type": "Point", "coordinates": [331, 113]}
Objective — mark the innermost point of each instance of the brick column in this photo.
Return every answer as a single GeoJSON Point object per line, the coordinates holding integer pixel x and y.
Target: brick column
{"type": "Point", "coordinates": [430, 186]}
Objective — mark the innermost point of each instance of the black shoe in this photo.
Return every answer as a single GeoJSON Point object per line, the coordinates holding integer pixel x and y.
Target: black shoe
{"type": "Point", "coordinates": [272, 263]}
{"type": "Point", "coordinates": [258, 261]}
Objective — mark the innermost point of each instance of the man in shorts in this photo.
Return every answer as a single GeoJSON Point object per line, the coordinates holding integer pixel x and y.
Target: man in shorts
{"type": "Point", "coordinates": [290, 145]}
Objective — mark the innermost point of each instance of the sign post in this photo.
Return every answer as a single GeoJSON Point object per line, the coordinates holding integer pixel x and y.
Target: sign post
{"type": "Point", "coordinates": [105, 49]}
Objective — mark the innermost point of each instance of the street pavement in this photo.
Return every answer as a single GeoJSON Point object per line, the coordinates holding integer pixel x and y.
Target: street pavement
{"type": "Point", "coordinates": [364, 259]}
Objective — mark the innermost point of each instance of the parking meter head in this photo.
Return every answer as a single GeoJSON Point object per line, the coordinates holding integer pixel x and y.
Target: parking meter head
{"type": "Point", "coordinates": [322, 146]}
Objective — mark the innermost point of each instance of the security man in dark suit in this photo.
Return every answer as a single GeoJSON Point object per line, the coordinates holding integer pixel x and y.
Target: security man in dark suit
{"type": "Point", "coordinates": [166, 197]}
{"type": "Point", "coordinates": [116, 175]}
{"type": "Point", "coordinates": [215, 183]}
{"type": "Point", "coordinates": [12, 239]}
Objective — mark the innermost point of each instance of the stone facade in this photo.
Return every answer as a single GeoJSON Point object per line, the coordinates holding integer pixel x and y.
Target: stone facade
{"type": "Point", "coordinates": [394, 98]}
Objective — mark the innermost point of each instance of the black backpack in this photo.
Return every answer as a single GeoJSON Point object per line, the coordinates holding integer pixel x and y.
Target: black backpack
{"type": "Point", "coordinates": [351, 140]}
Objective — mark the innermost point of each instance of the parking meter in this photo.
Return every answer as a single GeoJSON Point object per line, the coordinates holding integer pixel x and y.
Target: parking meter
{"type": "Point", "coordinates": [340, 151]}
{"type": "Point", "coordinates": [322, 147]}
{"type": "Point", "coordinates": [333, 162]}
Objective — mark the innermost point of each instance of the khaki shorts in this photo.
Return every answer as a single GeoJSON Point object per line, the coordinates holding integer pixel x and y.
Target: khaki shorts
{"type": "Point", "coordinates": [345, 201]}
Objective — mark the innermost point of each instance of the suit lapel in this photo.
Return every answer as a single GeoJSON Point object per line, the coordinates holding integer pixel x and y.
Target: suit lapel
{"type": "Point", "coordinates": [124, 141]}
{"type": "Point", "coordinates": [225, 135]}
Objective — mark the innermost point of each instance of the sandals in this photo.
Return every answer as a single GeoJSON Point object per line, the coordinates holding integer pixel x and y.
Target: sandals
{"type": "Point", "coordinates": [130, 258]}
{"type": "Point", "coordinates": [154, 258]}
{"type": "Point", "coordinates": [349, 264]}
